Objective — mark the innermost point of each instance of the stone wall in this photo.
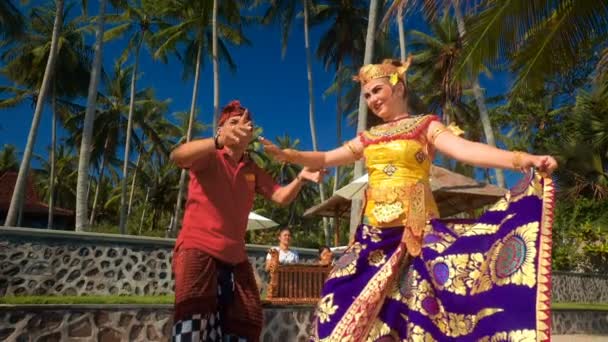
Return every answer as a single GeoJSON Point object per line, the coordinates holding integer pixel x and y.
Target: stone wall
{"type": "Point", "coordinates": [153, 323]}
{"type": "Point", "coordinates": [580, 287]}
{"type": "Point", "coordinates": [575, 322]}
{"type": "Point", "coordinates": [47, 262]}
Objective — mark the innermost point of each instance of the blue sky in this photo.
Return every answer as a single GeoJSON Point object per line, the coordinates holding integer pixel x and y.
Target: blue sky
{"type": "Point", "coordinates": [273, 87]}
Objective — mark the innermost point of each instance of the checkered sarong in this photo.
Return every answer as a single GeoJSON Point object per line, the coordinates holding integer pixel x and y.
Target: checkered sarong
{"type": "Point", "coordinates": [199, 314]}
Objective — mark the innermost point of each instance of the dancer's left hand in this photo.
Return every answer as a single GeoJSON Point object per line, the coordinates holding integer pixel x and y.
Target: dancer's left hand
{"type": "Point", "coordinates": [545, 164]}
{"type": "Point", "coordinates": [315, 176]}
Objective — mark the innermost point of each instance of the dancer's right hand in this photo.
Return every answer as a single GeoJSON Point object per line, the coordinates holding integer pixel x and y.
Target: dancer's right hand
{"type": "Point", "coordinates": [235, 132]}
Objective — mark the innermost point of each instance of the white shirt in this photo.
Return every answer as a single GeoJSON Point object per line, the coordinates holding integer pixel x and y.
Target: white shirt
{"type": "Point", "coordinates": [286, 257]}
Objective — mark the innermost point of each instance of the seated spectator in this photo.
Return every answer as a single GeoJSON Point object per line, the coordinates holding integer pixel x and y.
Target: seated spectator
{"type": "Point", "coordinates": [326, 257]}
{"type": "Point", "coordinates": [286, 255]}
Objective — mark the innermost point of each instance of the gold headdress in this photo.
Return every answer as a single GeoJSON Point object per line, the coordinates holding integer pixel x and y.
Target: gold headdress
{"type": "Point", "coordinates": [395, 71]}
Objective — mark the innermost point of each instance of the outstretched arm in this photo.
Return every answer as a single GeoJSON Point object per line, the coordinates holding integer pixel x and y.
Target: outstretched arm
{"type": "Point", "coordinates": [286, 194]}
{"type": "Point", "coordinates": [196, 150]}
{"type": "Point", "coordinates": [483, 155]}
{"type": "Point", "coordinates": [347, 154]}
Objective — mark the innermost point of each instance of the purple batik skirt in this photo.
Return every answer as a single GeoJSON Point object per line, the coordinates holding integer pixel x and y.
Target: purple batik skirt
{"type": "Point", "coordinates": [487, 279]}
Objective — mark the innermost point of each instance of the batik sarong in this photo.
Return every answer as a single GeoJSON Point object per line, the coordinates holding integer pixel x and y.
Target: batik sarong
{"type": "Point", "coordinates": [486, 279]}
{"type": "Point", "coordinates": [214, 300]}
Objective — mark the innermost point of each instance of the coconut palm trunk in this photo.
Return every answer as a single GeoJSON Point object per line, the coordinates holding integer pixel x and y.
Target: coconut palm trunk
{"type": "Point", "coordinates": [133, 185]}
{"type": "Point", "coordinates": [143, 212]}
{"type": "Point", "coordinates": [182, 178]}
{"type": "Point", "coordinates": [216, 69]}
{"type": "Point", "coordinates": [89, 119]}
{"type": "Point", "coordinates": [125, 165]}
{"type": "Point", "coordinates": [355, 212]}
{"type": "Point", "coordinates": [98, 185]}
{"type": "Point", "coordinates": [338, 122]}
{"type": "Point", "coordinates": [479, 98]}
{"type": "Point", "coordinates": [49, 223]}
{"type": "Point", "coordinates": [20, 184]}
{"type": "Point", "coordinates": [311, 109]}
{"type": "Point", "coordinates": [401, 29]}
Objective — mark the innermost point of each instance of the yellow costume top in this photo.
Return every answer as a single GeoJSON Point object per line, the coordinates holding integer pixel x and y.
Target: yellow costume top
{"type": "Point", "coordinates": [398, 163]}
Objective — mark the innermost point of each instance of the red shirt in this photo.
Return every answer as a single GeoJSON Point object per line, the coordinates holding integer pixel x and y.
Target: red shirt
{"type": "Point", "coordinates": [220, 197]}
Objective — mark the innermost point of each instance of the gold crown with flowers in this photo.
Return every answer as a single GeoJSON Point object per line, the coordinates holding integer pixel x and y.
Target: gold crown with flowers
{"type": "Point", "coordinates": [387, 68]}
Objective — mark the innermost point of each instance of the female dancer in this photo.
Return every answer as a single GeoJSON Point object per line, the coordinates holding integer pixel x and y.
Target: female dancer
{"type": "Point", "coordinates": [409, 275]}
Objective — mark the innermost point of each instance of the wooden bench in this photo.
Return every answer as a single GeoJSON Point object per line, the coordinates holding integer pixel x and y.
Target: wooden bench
{"type": "Point", "coordinates": [295, 283]}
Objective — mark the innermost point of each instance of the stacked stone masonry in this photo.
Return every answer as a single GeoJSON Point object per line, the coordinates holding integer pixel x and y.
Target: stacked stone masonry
{"type": "Point", "coordinates": [59, 263]}
{"type": "Point", "coordinates": [42, 262]}
{"type": "Point", "coordinates": [146, 324]}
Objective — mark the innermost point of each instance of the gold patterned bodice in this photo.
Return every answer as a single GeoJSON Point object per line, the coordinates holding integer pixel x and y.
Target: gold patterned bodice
{"type": "Point", "coordinates": [398, 165]}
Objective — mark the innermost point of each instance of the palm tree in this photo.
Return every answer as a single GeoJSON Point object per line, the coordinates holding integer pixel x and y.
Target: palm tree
{"type": "Point", "coordinates": [343, 41]}
{"type": "Point", "coordinates": [397, 10]}
{"type": "Point", "coordinates": [19, 191]}
{"type": "Point", "coordinates": [479, 98]}
{"type": "Point", "coordinates": [216, 71]}
{"type": "Point", "coordinates": [111, 121]}
{"type": "Point", "coordinates": [284, 12]}
{"type": "Point", "coordinates": [8, 159]}
{"type": "Point", "coordinates": [193, 30]}
{"type": "Point", "coordinates": [11, 21]}
{"type": "Point", "coordinates": [70, 74]}
{"type": "Point", "coordinates": [63, 187]}
{"type": "Point", "coordinates": [583, 151]}
{"type": "Point", "coordinates": [142, 19]}
{"type": "Point", "coordinates": [362, 112]}
{"type": "Point", "coordinates": [435, 57]}
{"type": "Point", "coordinates": [545, 34]}
{"type": "Point", "coordinates": [87, 128]}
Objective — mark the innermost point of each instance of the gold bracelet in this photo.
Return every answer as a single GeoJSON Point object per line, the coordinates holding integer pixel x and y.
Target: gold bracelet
{"type": "Point", "coordinates": [349, 145]}
{"type": "Point", "coordinates": [517, 160]}
{"type": "Point", "coordinates": [438, 132]}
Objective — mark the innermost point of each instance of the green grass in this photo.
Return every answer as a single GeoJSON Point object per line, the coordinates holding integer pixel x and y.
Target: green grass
{"type": "Point", "coordinates": [87, 300]}
{"type": "Point", "coordinates": [580, 306]}
{"type": "Point", "coordinates": [17, 300]}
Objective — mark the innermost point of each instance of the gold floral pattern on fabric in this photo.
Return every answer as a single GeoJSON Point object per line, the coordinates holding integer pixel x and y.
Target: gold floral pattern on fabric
{"type": "Point", "coordinates": [511, 261]}
{"type": "Point", "coordinates": [381, 329]}
{"type": "Point", "coordinates": [347, 263]}
{"type": "Point", "coordinates": [407, 284]}
{"type": "Point", "coordinates": [451, 324]}
{"type": "Point", "coordinates": [525, 335]}
{"type": "Point", "coordinates": [387, 212]}
{"type": "Point", "coordinates": [389, 194]}
{"type": "Point", "coordinates": [534, 188]}
{"type": "Point", "coordinates": [326, 308]}
{"type": "Point", "coordinates": [417, 217]}
{"type": "Point", "coordinates": [416, 334]}
{"type": "Point", "coordinates": [356, 321]}
{"type": "Point", "coordinates": [389, 169]}
{"type": "Point", "coordinates": [438, 242]}
{"type": "Point", "coordinates": [407, 183]}
{"type": "Point", "coordinates": [478, 228]}
{"type": "Point", "coordinates": [406, 126]}
{"type": "Point", "coordinates": [501, 205]}
{"type": "Point", "coordinates": [371, 232]}
{"type": "Point", "coordinates": [376, 258]}
{"type": "Point", "coordinates": [455, 273]}
{"type": "Point", "coordinates": [420, 156]}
